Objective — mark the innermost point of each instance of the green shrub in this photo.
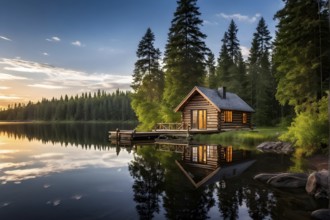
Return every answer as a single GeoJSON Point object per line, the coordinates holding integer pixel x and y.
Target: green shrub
{"type": "Point", "coordinates": [310, 129]}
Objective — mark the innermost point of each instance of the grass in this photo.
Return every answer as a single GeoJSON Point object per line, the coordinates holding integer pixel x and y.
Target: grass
{"type": "Point", "coordinates": [245, 138]}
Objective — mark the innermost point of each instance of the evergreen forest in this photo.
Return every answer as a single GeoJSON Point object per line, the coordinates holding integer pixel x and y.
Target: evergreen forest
{"type": "Point", "coordinates": [99, 106]}
{"type": "Point", "coordinates": [285, 79]}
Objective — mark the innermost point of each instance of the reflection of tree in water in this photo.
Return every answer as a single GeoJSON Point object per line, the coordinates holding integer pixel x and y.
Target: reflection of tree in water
{"type": "Point", "coordinates": [86, 135]}
{"type": "Point", "coordinates": [148, 184]}
{"type": "Point", "coordinates": [186, 203]}
{"type": "Point", "coordinates": [229, 200]}
{"type": "Point", "coordinates": [181, 201]}
{"type": "Point", "coordinates": [260, 202]}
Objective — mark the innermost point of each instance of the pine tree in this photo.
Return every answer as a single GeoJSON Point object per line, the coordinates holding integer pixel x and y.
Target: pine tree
{"type": "Point", "coordinates": [148, 82]}
{"type": "Point", "coordinates": [301, 56]}
{"type": "Point", "coordinates": [224, 63]}
{"type": "Point", "coordinates": [233, 48]}
{"type": "Point", "coordinates": [301, 52]}
{"type": "Point", "coordinates": [211, 77]}
{"type": "Point", "coordinates": [261, 83]}
{"type": "Point", "coordinates": [231, 69]}
{"type": "Point", "coordinates": [185, 56]}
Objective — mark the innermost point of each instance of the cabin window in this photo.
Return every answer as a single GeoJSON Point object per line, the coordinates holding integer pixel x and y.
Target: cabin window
{"type": "Point", "coordinates": [229, 154]}
{"type": "Point", "coordinates": [228, 116]}
{"type": "Point", "coordinates": [199, 154]}
{"type": "Point", "coordinates": [244, 118]}
{"type": "Point", "coordinates": [202, 153]}
{"type": "Point", "coordinates": [194, 154]}
{"type": "Point", "coordinates": [212, 151]}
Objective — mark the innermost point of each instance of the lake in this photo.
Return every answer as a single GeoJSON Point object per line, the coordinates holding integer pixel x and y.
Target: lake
{"type": "Point", "coordinates": [72, 171]}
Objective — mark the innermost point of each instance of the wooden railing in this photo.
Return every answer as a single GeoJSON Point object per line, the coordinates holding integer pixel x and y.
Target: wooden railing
{"type": "Point", "coordinates": [170, 126]}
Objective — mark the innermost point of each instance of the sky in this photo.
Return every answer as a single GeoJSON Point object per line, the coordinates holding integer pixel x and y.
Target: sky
{"type": "Point", "coordinates": [50, 48]}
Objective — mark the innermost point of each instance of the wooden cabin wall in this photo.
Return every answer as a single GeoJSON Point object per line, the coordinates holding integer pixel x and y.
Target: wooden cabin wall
{"type": "Point", "coordinates": [198, 102]}
{"type": "Point", "coordinates": [237, 121]}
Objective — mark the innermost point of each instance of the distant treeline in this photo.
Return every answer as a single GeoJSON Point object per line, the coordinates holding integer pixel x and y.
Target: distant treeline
{"type": "Point", "coordinates": [87, 107]}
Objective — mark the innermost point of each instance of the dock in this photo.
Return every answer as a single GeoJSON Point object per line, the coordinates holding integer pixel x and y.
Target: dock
{"type": "Point", "coordinates": [160, 131]}
{"type": "Point", "coordinates": [132, 135]}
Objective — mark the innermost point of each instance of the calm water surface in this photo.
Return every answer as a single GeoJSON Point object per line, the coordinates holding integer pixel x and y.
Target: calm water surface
{"type": "Point", "coordinates": [71, 171]}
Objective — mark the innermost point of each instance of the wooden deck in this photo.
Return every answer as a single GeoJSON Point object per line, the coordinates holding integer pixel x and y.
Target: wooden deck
{"type": "Point", "coordinates": [133, 135]}
{"type": "Point", "coordinates": [161, 129]}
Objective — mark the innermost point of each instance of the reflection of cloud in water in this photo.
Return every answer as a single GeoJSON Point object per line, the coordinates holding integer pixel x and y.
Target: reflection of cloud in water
{"type": "Point", "coordinates": [4, 204]}
{"type": "Point", "coordinates": [49, 156]}
{"type": "Point", "coordinates": [48, 163]}
{"type": "Point", "coordinates": [46, 186]}
{"type": "Point", "coordinates": [55, 202]}
{"type": "Point", "coordinates": [3, 157]}
{"type": "Point", "coordinates": [14, 165]}
{"type": "Point", "coordinates": [8, 151]}
{"type": "Point", "coordinates": [77, 197]}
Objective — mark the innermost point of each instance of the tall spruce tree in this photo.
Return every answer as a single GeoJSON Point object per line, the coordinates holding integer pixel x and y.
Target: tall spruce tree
{"type": "Point", "coordinates": [211, 77]}
{"type": "Point", "coordinates": [148, 82]}
{"type": "Point", "coordinates": [301, 57]}
{"type": "Point", "coordinates": [231, 71]}
{"type": "Point", "coordinates": [234, 50]}
{"type": "Point", "coordinates": [224, 63]}
{"type": "Point", "coordinates": [185, 56]}
{"type": "Point", "coordinates": [261, 83]}
{"type": "Point", "coordinates": [301, 52]}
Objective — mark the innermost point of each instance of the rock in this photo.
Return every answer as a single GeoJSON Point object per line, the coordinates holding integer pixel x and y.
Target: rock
{"type": "Point", "coordinates": [264, 177]}
{"type": "Point", "coordinates": [288, 180]}
{"type": "Point", "coordinates": [283, 180]}
{"type": "Point", "coordinates": [276, 147]}
{"type": "Point", "coordinates": [318, 185]}
{"type": "Point", "coordinates": [321, 214]}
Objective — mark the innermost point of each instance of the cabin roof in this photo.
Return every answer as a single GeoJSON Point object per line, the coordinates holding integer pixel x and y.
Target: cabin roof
{"type": "Point", "coordinates": [231, 102]}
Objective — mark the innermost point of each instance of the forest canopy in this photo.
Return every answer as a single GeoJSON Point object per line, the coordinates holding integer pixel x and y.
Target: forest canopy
{"type": "Point", "coordinates": [86, 107]}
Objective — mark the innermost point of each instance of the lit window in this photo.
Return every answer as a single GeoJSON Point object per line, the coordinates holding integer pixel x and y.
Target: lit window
{"type": "Point", "coordinates": [244, 118]}
{"type": "Point", "coordinates": [229, 154]}
{"type": "Point", "coordinates": [228, 116]}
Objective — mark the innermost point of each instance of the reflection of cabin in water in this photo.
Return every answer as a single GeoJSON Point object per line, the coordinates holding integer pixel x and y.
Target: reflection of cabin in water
{"type": "Point", "coordinates": [214, 110]}
{"type": "Point", "coordinates": [203, 164]}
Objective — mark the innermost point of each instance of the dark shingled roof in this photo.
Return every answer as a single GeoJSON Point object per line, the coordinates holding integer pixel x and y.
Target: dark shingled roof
{"type": "Point", "coordinates": [231, 102]}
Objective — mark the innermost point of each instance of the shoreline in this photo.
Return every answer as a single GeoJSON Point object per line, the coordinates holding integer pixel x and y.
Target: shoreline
{"type": "Point", "coordinates": [318, 162]}
{"type": "Point", "coordinates": [64, 122]}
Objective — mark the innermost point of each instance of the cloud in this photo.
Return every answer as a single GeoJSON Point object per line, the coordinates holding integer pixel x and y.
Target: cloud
{"type": "Point", "coordinates": [47, 165]}
{"type": "Point", "coordinates": [77, 43]}
{"type": "Point", "coordinates": [245, 52]}
{"type": "Point", "coordinates": [46, 86]}
{"type": "Point", "coordinates": [10, 97]}
{"type": "Point", "coordinates": [45, 54]}
{"type": "Point", "coordinates": [4, 76]}
{"type": "Point", "coordinates": [62, 77]}
{"type": "Point", "coordinates": [210, 23]}
{"type": "Point", "coordinates": [4, 87]}
{"type": "Point", "coordinates": [239, 17]}
{"type": "Point", "coordinates": [53, 39]}
{"type": "Point", "coordinates": [5, 38]}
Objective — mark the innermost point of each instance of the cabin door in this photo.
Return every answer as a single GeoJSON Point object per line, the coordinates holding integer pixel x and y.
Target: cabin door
{"type": "Point", "coordinates": [198, 119]}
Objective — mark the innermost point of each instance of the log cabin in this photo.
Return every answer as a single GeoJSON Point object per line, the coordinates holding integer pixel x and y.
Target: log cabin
{"type": "Point", "coordinates": [214, 110]}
